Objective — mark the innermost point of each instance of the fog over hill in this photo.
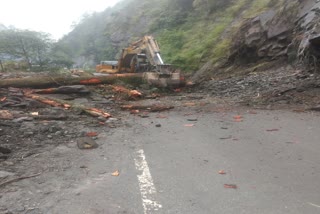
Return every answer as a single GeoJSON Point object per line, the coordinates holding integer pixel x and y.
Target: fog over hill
{"type": "Point", "coordinates": [2, 27]}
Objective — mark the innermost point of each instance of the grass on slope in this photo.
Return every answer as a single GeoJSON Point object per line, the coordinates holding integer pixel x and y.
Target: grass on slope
{"type": "Point", "coordinates": [205, 38]}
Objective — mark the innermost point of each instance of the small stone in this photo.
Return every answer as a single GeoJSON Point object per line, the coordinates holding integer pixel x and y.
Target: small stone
{"type": "Point", "coordinates": [53, 129]}
{"type": "Point", "coordinates": [19, 208]}
{"type": "Point", "coordinates": [86, 143]}
{"type": "Point", "coordinates": [158, 125]}
{"type": "Point", "coordinates": [27, 134]}
{"type": "Point", "coordinates": [82, 134]}
{"type": "Point", "coordinates": [144, 116]}
{"type": "Point", "coordinates": [9, 163]}
{"type": "Point", "coordinates": [49, 136]}
{"type": "Point", "coordinates": [4, 150]}
{"type": "Point", "coordinates": [21, 119]}
{"type": "Point", "coordinates": [112, 119]}
{"type": "Point", "coordinates": [58, 133]}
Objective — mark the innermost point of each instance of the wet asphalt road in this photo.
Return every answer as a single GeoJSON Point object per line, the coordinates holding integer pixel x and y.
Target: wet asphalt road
{"type": "Point", "coordinates": [273, 158]}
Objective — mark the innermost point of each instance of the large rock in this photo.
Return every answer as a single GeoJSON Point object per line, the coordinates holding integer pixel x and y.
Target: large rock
{"type": "Point", "coordinates": [292, 30]}
{"type": "Point", "coordinates": [262, 36]}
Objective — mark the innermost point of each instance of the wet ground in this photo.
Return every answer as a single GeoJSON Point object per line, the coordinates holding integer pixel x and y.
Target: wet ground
{"type": "Point", "coordinates": [235, 145]}
{"type": "Point", "coordinates": [204, 156]}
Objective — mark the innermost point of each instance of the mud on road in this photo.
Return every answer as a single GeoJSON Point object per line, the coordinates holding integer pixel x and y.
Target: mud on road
{"type": "Point", "coordinates": [40, 151]}
{"type": "Point", "coordinates": [56, 160]}
{"type": "Point", "coordinates": [68, 179]}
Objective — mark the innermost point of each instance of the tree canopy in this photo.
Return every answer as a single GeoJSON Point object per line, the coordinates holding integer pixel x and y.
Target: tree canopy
{"type": "Point", "coordinates": [29, 46]}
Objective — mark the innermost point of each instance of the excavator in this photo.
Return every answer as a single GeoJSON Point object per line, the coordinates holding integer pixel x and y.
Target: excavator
{"type": "Point", "coordinates": [143, 56]}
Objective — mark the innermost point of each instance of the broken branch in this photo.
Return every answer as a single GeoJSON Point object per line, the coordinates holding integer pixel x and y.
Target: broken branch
{"type": "Point", "coordinates": [151, 108]}
{"type": "Point", "coordinates": [18, 179]}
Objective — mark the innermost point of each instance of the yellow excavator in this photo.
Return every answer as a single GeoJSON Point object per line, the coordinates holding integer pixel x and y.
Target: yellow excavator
{"type": "Point", "coordinates": [143, 56]}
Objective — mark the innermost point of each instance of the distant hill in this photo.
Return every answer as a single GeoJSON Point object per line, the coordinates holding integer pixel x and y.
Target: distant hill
{"type": "Point", "coordinates": [191, 33]}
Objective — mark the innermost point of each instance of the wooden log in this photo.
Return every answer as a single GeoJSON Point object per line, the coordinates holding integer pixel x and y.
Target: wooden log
{"type": "Point", "coordinates": [54, 81]}
{"type": "Point", "coordinates": [48, 101]}
{"type": "Point", "coordinates": [50, 117]}
{"type": "Point", "coordinates": [131, 93]}
{"type": "Point", "coordinates": [67, 105]}
{"type": "Point", "coordinates": [72, 89]}
{"type": "Point", "coordinates": [151, 108]}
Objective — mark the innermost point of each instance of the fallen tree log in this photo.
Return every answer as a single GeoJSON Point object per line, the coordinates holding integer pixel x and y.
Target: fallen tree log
{"type": "Point", "coordinates": [51, 102]}
{"type": "Point", "coordinates": [55, 81]}
{"type": "Point", "coordinates": [79, 89]}
{"type": "Point", "coordinates": [67, 105]}
{"type": "Point", "coordinates": [151, 108]}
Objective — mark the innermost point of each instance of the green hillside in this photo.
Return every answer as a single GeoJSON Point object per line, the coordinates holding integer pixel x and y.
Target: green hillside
{"type": "Point", "coordinates": [190, 32]}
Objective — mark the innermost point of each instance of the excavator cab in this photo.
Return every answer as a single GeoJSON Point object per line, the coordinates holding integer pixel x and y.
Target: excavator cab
{"type": "Point", "coordinates": [107, 67]}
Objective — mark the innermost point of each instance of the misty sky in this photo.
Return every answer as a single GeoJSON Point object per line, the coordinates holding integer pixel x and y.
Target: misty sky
{"type": "Point", "coordinates": [51, 16]}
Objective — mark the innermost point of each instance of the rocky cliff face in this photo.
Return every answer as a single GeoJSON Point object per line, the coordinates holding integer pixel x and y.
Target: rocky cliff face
{"type": "Point", "coordinates": [292, 31]}
{"type": "Point", "coordinates": [274, 59]}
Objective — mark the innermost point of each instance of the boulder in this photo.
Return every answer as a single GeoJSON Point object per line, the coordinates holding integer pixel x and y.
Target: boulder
{"type": "Point", "coordinates": [292, 30]}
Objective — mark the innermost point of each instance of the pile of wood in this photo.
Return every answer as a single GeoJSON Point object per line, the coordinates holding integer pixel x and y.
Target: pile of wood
{"type": "Point", "coordinates": [41, 88]}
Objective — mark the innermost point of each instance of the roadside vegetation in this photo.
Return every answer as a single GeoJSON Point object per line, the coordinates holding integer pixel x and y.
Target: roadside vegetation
{"type": "Point", "coordinates": [29, 50]}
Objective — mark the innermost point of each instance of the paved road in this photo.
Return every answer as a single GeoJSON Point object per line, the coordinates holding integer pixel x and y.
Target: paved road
{"type": "Point", "coordinates": [276, 171]}
{"type": "Point", "coordinates": [273, 157]}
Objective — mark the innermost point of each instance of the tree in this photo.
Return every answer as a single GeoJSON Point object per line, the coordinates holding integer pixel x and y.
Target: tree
{"type": "Point", "coordinates": [31, 46]}
{"type": "Point", "coordinates": [182, 5]}
{"type": "Point", "coordinates": [1, 66]}
{"type": "Point", "coordinates": [210, 6]}
{"type": "Point", "coordinates": [60, 56]}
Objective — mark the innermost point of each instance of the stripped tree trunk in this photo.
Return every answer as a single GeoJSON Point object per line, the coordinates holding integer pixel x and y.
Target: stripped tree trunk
{"type": "Point", "coordinates": [54, 81]}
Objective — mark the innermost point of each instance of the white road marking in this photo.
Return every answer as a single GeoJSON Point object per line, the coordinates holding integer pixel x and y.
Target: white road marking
{"type": "Point", "coordinates": [147, 188]}
{"type": "Point", "coordinates": [314, 205]}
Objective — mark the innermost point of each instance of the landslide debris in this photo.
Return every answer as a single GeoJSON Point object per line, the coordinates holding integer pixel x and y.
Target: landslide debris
{"type": "Point", "coordinates": [274, 58]}
{"type": "Point", "coordinates": [276, 86]}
